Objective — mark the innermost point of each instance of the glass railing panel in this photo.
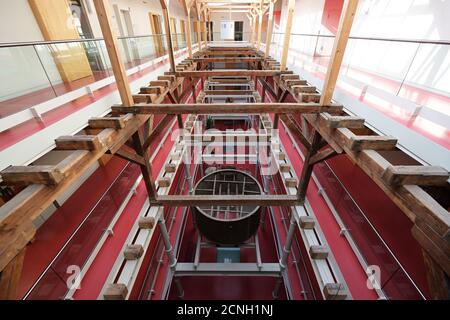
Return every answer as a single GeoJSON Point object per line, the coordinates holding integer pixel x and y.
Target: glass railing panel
{"type": "Point", "coordinates": [429, 71]}
{"type": "Point", "coordinates": [146, 47]}
{"type": "Point", "coordinates": [379, 64]}
{"type": "Point", "coordinates": [76, 252]}
{"type": "Point", "coordinates": [25, 81]}
{"type": "Point", "coordinates": [369, 244]}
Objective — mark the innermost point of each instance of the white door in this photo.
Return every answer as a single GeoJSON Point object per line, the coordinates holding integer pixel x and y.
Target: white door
{"type": "Point", "coordinates": [227, 30]}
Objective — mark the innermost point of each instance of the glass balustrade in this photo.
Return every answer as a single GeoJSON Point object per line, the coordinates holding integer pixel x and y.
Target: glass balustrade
{"type": "Point", "coordinates": [34, 73]}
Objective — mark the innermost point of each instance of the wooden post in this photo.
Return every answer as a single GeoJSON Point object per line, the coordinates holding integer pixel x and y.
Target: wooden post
{"type": "Point", "coordinates": [436, 278]}
{"type": "Point", "coordinates": [104, 18]}
{"type": "Point", "coordinates": [340, 43]}
{"type": "Point", "coordinates": [204, 28]}
{"type": "Point", "coordinates": [165, 10]}
{"type": "Point", "coordinates": [10, 277]}
{"type": "Point", "coordinates": [269, 28]}
{"type": "Point", "coordinates": [188, 36]}
{"type": "Point", "coordinates": [210, 27]}
{"type": "Point", "coordinates": [260, 18]}
{"type": "Point", "coordinates": [345, 24]}
{"type": "Point", "coordinates": [123, 86]}
{"type": "Point", "coordinates": [287, 34]}
{"type": "Point", "coordinates": [197, 23]}
{"type": "Point", "coordinates": [199, 35]}
{"type": "Point", "coordinates": [254, 29]}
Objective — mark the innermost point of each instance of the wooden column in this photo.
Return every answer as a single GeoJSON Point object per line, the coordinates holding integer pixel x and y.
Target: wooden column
{"type": "Point", "coordinates": [166, 17]}
{"type": "Point", "coordinates": [269, 28]}
{"type": "Point", "coordinates": [340, 43]}
{"type": "Point", "coordinates": [438, 281]}
{"type": "Point", "coordinates": [210, 27]}
{"type": "Point", "coordinates": [260, 19]}
{"type": "Point", "coordinates": [204, 27]}
{"type": "Point", "coordinates": [104, 18]}
{"type": "Point", "coordinates": [345, 24]}
{"type": "Point", "coordinates": [287, 34]}
{"type": "Point", "coordinates": [188, 36]}
{"type": "Point", "coordinates": [254, 34]}
{"type": "Point", "coordinates": [10, 277]}
{"type": "Point", "coordinates": [198, 26]}
{"type": "Point", "coordinates": [199, 35]}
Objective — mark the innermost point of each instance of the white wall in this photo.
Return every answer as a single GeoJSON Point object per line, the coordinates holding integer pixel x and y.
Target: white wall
{"type": "Point", "coordinates": [236, 16]}
{"type": "Point", "coordinates": [21, 68]}
{"type": "Point", "coordinates": [17, 22]}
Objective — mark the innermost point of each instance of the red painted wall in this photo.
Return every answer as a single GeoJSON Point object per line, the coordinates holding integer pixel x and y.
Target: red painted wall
{"type": "Point", "coordinates": [331, 14]}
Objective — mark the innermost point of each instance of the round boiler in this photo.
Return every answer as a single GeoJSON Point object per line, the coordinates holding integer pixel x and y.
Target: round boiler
{"type": "Point", "coordinates": [227, 225]}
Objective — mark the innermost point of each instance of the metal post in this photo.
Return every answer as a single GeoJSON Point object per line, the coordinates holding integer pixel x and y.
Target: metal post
{"type": "Point", "coordinates": [285, 254]}
{"type": "Point", "coordinates": [169, 252]}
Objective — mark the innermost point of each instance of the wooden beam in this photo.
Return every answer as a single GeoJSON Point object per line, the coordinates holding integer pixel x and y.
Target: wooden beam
{"type": "Point", "coordinates": [236, 73]}
{"type": "Point", "coordinates": [340, 43]}
{"type": "Point", "coordinates": [157, 130]}
{"type": "Point", "coordinates": [345, 122]}
{"type": "Point", "coordinates": [418, 175]}
{"type": "Point", "coordinates": [295, 129]}
{"type": "Point", "coordinates": [166, 18]}
{"type": "Point", "coordinates": [104, 18]}
{"type": "Point", "coordinates": [227, 108]}
{"type": "Point", "coordinates": [287, 34]}
{"type": "Point", "coordinates": [16, 216]}
{"type": "Point", "coordinates": [228, 92]}
{"type": "Point", "coordinates": [227, 59]}
{"type": "Point", "coordinates": [269, 28]}
{"type": "Point", "coordinates": [222, 200]}
{"type": "Point", "coordinates": [307, 169]}
{"type": "Point", "coordinates": [78, 142]}
{"type": "Point", "coordinates": [322, 155]}
{"type": "Point", "coordinates": [411, 199]}
{"type": "Point", "coordinates": [146, 168]}
{"type": "Point", "coordinates": [130, 156]}
{"type": "Point", "coordinates": [26, 175]}
{"type": "Point", "coordinates": [109, 122]}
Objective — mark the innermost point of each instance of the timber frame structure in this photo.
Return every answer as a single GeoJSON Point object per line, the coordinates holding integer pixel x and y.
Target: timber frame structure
{"type": "Point", "coordinates": [420, 191]}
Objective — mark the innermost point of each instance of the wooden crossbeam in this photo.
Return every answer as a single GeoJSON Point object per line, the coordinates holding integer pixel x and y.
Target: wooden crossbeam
{"type": "Point", "coordinates": [358, 143]}
{"type": "Point", "coordinates": [222, 200]}
{"type": "Point", "coordinates": [411, 199]}
{"type": "Point", "coordinates": [295, 82]}
{"type": "Point", "coordinates": [43, 174]}
{"type": "Point", "coordinates": [322, 155]}
{"type": "Point", "coordinates": [418, 175]}
{"type": "Point", "coordinates": [130, 156]}
{"type": "Point", "coordinates": [345, 122]}
{"type": "Point", "coordinates": [78, 142]}
{"type": "Point", "coordinates": [228, 92]}
{"type": "Point", "coordinates": [303, 89]}
{"type": "Point", "coordinates": [228, 59]}
{"type": "Point", "coordinates": [151, 90]}
{"type": "Point", "coordinates": [252, 108]}
{"type": "Point", "coordinates": [211, 73]}
{"type": "Point", "coordinates": [109, 122]}
{"type": "Point", "coordinates": [157, 130]}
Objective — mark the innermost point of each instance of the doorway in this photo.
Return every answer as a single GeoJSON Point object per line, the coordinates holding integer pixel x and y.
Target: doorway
{"type": "Point", "coordinates": [155, 22]}
{"type": "Point", "coordinates": [238, 30]}
{"type": "Point", "coordinates": [210, 35]}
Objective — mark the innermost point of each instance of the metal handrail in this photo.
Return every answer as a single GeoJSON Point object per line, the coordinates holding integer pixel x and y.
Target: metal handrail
{"type": "Point", "coordinates": [419, 41]}
{"type": "Point", "coordinates": [37, 43]}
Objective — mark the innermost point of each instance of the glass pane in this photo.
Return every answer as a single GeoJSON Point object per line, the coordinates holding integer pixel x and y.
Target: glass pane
{"type": "Point", "coordinates": [24, 80]}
